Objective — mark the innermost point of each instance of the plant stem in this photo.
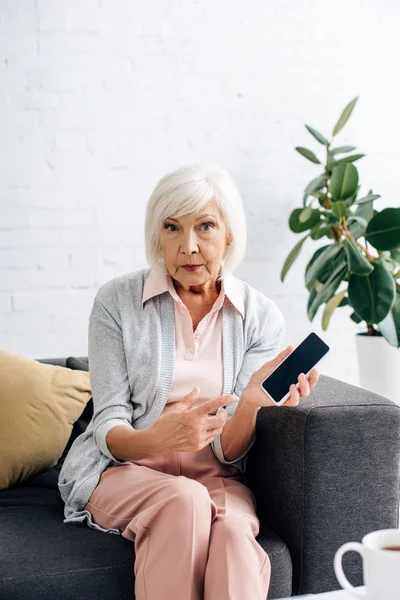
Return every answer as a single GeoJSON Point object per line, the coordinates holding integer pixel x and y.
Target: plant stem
{"type": "Point", "coordinates": [371, 330]}
{"type": "Point", "coordinates": [327, 202]}
{"type": "Point", "coordinates": [347, 233]}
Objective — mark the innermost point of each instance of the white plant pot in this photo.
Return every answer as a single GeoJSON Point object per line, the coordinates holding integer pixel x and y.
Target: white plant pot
{"type": "Point", "coordinates": [378, 366]}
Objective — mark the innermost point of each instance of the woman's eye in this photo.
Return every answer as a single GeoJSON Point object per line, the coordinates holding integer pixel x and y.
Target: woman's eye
{"type": "Point", "coordinates": [167, 225]}
{"type": "Point", "coordinates": [211, 225]}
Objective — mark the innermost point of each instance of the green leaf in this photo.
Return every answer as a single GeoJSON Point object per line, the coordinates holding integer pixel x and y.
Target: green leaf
{"type": "Point", "coordinates": [316, 184]}
{"type": "Point", "coordinates": [363, 222]}
{"type": "Point", "coordinates": [311, 261]}
{"type": "Point", "coordinates": [373, 295]}
{"type": "Point", "coordinates": [317, 234]}
{"type": "Point", "coordinates": [365, 210]}
{"type": "Point", "coordinates": [321, 262]}
{"type": "Point", "coordinates": [350, 158]}
{"type": "Point", "coordinates": [306, 214]}
{"type": "Point", "coordinates": [293, 254]}
{"type": "Point", "coordinates": [390, 326]}
{"type": "Point", "coordinates": [308, 154]}
{"type": "Point", "coordinates": [298, 226]}
{"type": "Point", "coordinates": [328, 289]}
{"type": "Point", "coordinates": [395, 254]}
{"type": "Point", "coordinates": [350, 200]}
{"type": "Point", "coordinates": [367, 198]}
{"type": "Point", "coordinates": [333, 303]}
{"type": "Point", "coordinates": [344, 117]}
{"type": "Point", "coordinates": [311, 298]}
{"type": "Point", "coordinates": [318, 136]}
{"type": "Point", "coordinates": [319, 195]}
{"type": "Point", "coordinates": [357, 222]}
{"type": "Point", "coordinates": [343, 182]}
{"type": "Point", "coordinates": [339, 209]}
{"type": "Point", "coordinates": [354, 316]}
{"type": "Point", "coordinates": [356, 261]}
{"type": "Point", "coordinates": [341, 149]}
{"type": "Point", "coordinates": [323, 274]}
{"type": "Point", "coordinates": [383, 231]}
{"type": "Point", "coordinates": [388, 263]}
{"type": "Point", "coordinates": [324, 227]}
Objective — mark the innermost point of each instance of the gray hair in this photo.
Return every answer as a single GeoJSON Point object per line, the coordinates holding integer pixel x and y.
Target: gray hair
{"type": "Point", "coordinates": [187, 190]}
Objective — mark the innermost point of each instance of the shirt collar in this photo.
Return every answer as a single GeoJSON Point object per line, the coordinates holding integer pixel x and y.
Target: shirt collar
{"type": "Point", "coordinates": [158, 282]}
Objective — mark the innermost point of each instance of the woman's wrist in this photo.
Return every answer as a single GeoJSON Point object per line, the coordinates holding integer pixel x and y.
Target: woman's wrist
{"type": "Point", "coordinates": [247, 401]}
{"type": "Point", "coordinates": [127, 443]}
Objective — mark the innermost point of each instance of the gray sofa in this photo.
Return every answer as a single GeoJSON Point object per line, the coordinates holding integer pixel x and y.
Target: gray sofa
{"type": "Point", "coordinates": [323, 473]}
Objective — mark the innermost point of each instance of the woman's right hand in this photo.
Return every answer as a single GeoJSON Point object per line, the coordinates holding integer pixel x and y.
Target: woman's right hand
{"type": "Point", "coordinates": [187, 428]}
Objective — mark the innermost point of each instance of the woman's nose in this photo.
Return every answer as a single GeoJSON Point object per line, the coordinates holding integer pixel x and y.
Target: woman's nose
{"type": "Point", "coordinates": [189, 243]}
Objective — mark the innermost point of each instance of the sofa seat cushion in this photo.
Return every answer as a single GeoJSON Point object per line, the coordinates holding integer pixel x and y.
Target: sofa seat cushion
{"type": "Point", "coordinates": [45, 479]}
{"type": "Point", "coordinates": [49, 559]}
{"type": "Point", "coordinates": [18, 497]}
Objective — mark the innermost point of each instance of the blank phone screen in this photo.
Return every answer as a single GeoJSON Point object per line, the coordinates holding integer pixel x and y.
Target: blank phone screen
{"type": "Point", "coordinates": [301, 360]}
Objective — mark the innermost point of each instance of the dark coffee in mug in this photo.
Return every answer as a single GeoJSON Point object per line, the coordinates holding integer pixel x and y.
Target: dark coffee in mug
{"type": "Point", "coordinates": [395, 548]}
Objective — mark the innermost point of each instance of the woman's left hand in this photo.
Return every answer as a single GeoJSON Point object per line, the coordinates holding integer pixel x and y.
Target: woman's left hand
{"type": "Point", "coordinates": [253, 394]}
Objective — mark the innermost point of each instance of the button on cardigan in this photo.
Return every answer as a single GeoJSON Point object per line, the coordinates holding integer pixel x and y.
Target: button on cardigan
{"type": "Point", "coordinates": [131, 352]}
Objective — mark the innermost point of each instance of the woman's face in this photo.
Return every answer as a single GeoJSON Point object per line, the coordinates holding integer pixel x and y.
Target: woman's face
{"type": "Point", "coordinates": [195, 239]}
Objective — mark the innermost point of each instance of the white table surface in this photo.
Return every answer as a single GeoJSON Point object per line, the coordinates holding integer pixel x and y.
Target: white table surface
{"type": "Point", "coordinates": [337, 595]}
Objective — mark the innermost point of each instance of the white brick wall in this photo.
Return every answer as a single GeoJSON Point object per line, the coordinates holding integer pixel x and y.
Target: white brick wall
{"type": "Point", "coordinates": [100, 98]}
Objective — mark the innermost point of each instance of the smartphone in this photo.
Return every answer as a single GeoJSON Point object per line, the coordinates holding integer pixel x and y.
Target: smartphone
{"type": "Point", "coordinates": [303, 358]}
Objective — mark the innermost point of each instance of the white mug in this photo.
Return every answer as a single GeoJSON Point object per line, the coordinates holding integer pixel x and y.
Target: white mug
{"type": "Point", "coordinates": [381, 568]}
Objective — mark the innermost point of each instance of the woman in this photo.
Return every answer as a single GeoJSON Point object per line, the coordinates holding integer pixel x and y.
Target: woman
{"type": "Point", "coordinates": [162, 461]}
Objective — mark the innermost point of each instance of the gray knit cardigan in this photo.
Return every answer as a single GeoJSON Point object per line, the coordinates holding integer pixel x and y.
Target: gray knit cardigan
{"type": "Point", "coordinates": [131, 364]}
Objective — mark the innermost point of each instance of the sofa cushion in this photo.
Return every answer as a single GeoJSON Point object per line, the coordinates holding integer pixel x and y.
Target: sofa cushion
{"type": "Point", "coordinates": [49, 559]}
{"type": "Point", "coordinates": [47, 479]}
{"type": "Point", "coordinates": [39, 404]}
{"type": "Point", "coordinates": [80, 363]}
{"type": "Point", "coordinates": [23, 496]}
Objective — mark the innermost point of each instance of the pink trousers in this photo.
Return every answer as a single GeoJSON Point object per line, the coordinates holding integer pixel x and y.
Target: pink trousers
{"type": "Point", "coordinates": [193, 523]}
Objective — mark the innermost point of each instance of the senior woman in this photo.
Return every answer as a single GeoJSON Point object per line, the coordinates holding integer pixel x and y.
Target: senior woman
{"type": "Point", "coordinates": [162, 462]}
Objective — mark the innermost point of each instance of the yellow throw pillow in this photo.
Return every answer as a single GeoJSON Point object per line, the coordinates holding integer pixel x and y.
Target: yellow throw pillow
{"type": "Point", "coordinates": [39, 403]}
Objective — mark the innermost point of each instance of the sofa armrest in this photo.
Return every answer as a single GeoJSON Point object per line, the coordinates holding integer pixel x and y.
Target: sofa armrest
{"type": "Point", "coordinates": [324, 473]}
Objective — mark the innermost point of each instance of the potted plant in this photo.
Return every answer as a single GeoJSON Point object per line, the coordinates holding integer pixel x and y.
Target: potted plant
{"type": "Point", "coordinates": [362, 255]}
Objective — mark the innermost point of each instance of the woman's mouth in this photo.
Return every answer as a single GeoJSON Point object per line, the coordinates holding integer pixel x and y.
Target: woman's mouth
{"type": "Point", "coordinates": [191, 267]}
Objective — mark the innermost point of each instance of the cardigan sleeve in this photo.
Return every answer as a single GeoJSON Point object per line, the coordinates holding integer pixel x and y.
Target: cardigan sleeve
{"type": "Point", "coordinates": [108, 376]}
{"type": "Point", "coordinates": [261, 351]}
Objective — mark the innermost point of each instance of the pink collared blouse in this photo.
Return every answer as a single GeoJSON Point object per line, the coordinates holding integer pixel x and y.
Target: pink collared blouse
{"type": "Point", "coordinates": [198, 354]}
